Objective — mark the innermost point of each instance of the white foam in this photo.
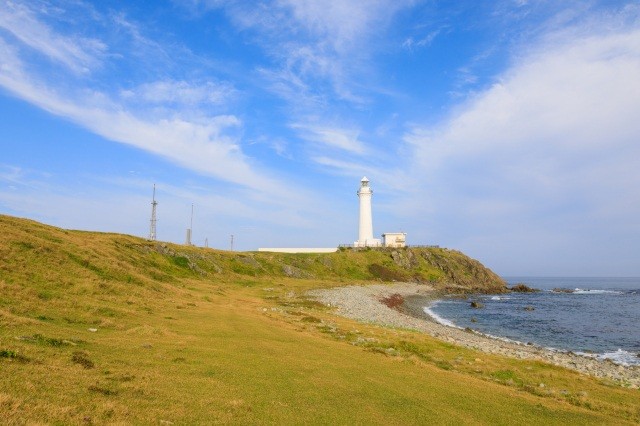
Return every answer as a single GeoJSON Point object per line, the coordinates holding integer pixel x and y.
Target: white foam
{"type": "Point", "coordinates": [427, 310]}
{"type": "Point", "coordinates": [443, 321]}
{"type": "Point", "coordinates": [499, 298]}
{"type": "Point", "coordinates": [594, 291]}
{"type": "Point", "coordinates": [621, 357]}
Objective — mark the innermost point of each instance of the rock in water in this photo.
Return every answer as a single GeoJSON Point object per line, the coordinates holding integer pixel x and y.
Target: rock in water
{"type": "Point", "coordinates": [523, 288]}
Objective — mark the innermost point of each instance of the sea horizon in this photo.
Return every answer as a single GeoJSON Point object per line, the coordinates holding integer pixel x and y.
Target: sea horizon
{"type": "Point", "coordinates": [545, 282]}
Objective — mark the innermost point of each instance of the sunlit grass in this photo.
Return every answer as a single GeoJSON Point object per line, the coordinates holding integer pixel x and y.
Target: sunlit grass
{"type": "Point", "coordinates": [105, 328]}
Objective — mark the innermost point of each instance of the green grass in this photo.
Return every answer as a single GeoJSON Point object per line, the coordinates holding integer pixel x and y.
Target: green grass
{"type": "Point", "coordinates": [128, 334]}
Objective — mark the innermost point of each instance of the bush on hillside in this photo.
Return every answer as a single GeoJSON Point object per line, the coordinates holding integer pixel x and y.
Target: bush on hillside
{"type": "Point", "coordinates": [386, 274]}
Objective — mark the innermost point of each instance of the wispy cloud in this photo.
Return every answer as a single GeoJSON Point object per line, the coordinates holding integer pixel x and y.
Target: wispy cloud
{"type": "Point", "coordinates": [319, 55]}
{"type": "Point", "coordinates": [347, 168]}
{"type": "Point", "coordinates": [392, 181]}
{"type": "Point", "coordinates": [314, 44]}
{"type": "Point", "coordinates": [331, 137]}
{"type": "Point", "coordinates": [180, 92]}
{"type": "Point", "coordinates": [340, 24]}
{"type": "Point", "coordinates": [411, 43]}
{"type": "Point", "coordinates": [18, 178]}
{"type": "Point", "coordinates": [79, 54]}
{"type": "Point", "coordinates": [143, 116]}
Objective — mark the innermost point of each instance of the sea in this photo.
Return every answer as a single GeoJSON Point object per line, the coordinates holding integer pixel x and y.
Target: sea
{"type": "Point", "coordinates": [594, 317]}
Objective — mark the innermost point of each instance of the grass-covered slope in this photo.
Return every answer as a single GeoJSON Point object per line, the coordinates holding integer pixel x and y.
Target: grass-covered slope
{"type": "Point", "coordinates": [105, 328]}
{"type": "Point", "coordinates": [62, 261]}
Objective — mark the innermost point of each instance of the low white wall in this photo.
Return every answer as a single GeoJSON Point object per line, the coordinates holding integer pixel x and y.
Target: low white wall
{"type": "Point", "coordinates": [300, 250]}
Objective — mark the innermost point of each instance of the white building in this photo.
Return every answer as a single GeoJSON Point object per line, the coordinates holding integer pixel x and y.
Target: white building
{"type": "Point", "coordinates": [365, 232]}
{"type": "Point", "coordinates": [394, 239]}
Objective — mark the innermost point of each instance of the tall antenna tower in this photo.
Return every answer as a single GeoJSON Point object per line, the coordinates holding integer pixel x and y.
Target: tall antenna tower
{"type": "Point", "coordinates": [154, 203]}
{"type": "Point", "coordinates": [188, 242]}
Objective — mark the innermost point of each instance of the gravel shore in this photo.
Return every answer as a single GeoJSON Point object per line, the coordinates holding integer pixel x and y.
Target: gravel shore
{"type": "Point", "coordinates": [362, 303]}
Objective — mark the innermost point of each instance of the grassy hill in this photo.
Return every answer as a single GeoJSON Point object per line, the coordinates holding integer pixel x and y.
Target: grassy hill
{"type": "Point", "coordinates": [107, 328]}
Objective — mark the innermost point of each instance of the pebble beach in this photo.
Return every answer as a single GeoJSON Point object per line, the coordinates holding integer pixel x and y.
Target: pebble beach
{"type": "Point", "coordinates": [362, 303]}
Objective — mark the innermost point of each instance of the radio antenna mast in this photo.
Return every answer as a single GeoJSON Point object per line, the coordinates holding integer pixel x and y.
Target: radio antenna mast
{"type": "Point", "coordinates": [154, 203]}
{"type": "Point", "coordinates": [188, 242]}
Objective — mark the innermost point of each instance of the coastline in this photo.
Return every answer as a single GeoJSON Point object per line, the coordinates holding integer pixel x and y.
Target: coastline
{"type": "Point", "coordinates": [362, 303]}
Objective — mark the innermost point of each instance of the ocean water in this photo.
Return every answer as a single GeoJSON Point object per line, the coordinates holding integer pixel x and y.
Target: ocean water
{"type": "Point", "coordinates": [599, 318]}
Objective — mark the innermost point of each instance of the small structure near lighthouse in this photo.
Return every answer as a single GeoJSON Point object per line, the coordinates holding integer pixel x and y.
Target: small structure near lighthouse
{"type": "Point", "coordinates": [394, 239]}
{"type": "Point", "coordinates": [365, 232]}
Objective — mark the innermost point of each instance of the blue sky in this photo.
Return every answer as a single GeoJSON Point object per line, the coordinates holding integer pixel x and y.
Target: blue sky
{"type": "Point", "coordinates": [507, 129]}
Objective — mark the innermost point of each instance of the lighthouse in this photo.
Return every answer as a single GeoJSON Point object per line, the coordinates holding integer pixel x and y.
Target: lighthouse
{"type": "Point", "coordinates": [365, 232]}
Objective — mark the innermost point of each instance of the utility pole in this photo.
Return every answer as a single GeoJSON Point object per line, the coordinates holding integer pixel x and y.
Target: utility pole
{"type": "Point", "coordinates": [231, 242]}
{"type": "Point", "coordinates": [154, 203]}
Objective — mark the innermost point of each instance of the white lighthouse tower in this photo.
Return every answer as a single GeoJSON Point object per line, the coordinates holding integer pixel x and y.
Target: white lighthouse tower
{"type": "Point", "coordinates": [365, 233]}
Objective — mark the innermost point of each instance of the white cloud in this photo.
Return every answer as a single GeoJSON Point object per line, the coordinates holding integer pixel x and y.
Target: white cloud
{"type": "Point", "coordinates": [552, 146]}
{"type": "Point", "coordinates": [200, 146]}
{"type": "Point", "coordinates": [581, 94]}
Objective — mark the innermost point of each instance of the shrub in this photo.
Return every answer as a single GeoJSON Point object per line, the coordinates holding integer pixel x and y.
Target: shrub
{"type": "Point", "coordinates": [386, 274]}
{"type": "Point", "coordinates": [180, 261]}
{"type": "Point", "coordinates": [13, 355]}
{"type": "Point", "coordinates": [51, 341]}
{"type": "Point", "coordinates": [82, 358]}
